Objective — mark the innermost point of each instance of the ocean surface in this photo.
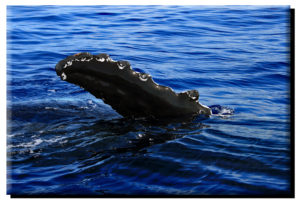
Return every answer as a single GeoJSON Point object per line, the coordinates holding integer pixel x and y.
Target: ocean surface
{"type": "Point", "coordinates": [61, 140]}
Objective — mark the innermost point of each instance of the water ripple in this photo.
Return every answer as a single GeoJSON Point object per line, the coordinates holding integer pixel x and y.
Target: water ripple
{"type": "Point", "coordinates": [63, 141]}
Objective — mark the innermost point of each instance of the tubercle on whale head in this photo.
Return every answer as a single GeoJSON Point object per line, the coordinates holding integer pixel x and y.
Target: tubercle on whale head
{"type": "Point", "coordinates": [123, 64]}
{"type": "Point", "coordinates": [129, 92]}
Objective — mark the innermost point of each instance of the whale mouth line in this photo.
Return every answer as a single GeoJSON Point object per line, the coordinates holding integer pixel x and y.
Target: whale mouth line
{"type": "Point", "coordinates": [130, 93]}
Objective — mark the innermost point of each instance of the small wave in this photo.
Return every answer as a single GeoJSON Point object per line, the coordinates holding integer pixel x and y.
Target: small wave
{"type": "Point", "coordinates": [108, 13]}
{"type": "Point", "coordinates": [32, 144]}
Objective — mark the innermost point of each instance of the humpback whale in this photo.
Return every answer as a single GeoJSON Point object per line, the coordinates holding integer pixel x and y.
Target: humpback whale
{"type": "Point", "coordinates": [130, 93]}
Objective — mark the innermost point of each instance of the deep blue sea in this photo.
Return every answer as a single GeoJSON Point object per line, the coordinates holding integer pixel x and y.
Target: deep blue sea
{"type": "Point", "coordinates": [61, 140]}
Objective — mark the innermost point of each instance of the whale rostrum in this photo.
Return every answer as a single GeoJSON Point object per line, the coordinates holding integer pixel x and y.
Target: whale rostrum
{"type": "Point", "coordinates": [130, 93]}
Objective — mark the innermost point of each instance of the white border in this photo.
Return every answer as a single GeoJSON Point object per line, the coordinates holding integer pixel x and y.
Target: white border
{"type": "Point", "coordinates": [4, 3]}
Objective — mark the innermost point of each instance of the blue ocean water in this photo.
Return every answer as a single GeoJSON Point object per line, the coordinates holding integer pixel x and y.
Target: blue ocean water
{"type": "Point", "coordinates": [63, 141]}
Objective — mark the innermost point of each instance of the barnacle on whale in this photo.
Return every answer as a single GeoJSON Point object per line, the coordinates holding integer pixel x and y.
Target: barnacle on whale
{"type": "Point", "coordinates": [130, 93]}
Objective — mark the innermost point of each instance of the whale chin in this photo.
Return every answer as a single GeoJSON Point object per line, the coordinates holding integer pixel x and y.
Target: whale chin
{"type": "Point", "coordinates": [130, 93]}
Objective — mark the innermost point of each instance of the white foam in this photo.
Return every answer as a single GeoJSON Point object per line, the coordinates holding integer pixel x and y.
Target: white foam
{"type": "Point", "coordinates": [27, 145]}
{"type": "Point", "coordinates": [51, 108]}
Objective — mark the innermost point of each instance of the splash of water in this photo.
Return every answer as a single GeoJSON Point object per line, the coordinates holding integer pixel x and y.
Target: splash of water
{"type": "Point", "coordinates": [222, 111]}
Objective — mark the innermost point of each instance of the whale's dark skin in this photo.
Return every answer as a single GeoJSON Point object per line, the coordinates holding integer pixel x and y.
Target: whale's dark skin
{"type": "Point", "coordinates": [130, 93]}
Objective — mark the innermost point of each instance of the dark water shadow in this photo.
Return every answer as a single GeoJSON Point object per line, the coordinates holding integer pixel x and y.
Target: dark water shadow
{"type": "Point", "coordinates": [80, 132]}
{"type": "Point", "coordinates": [139, 135]}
